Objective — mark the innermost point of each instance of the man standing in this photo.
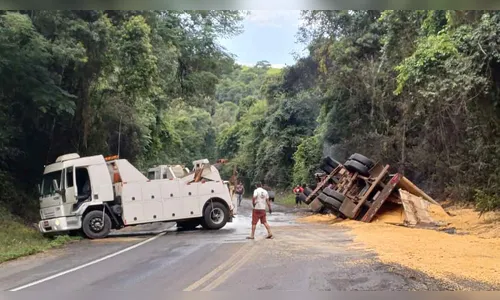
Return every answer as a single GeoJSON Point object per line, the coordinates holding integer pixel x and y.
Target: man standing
{"type": "Point", "coordinates": [240, 190]}
{"type": "Point", "coordinates": [259, 200]}
{"type": "Point", "coordinates": [297, 191]}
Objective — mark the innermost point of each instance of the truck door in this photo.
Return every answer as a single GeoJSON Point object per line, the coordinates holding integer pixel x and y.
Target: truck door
{"type": "Point", "coordinates": [70, 191]}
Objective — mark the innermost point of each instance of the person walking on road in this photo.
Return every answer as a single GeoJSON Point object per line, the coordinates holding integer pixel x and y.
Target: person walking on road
{"type": "Point", "coordinates": [297, 191]}
{"type": "Point", "coordinates": [259, 200]}
{"type": "Point", "coordinates": [240, 190]}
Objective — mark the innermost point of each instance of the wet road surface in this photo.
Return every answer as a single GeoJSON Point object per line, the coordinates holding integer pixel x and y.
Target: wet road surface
{"type": "Point", "coordinates": [301, 257]}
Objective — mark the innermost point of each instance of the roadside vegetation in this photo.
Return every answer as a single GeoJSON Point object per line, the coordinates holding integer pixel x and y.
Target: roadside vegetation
{"type": "Point", "coordinates": [415, 89]}
{"type": "Point", "coordinates": [286, 199]}
{"type": "Point", "coordinates": [18, 239]}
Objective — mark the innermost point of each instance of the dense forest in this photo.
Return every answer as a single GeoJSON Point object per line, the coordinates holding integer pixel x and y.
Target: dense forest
{"type": "Point", "coordinates": [416, 89]}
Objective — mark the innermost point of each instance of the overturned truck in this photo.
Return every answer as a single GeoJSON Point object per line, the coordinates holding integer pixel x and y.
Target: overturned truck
{"type": "Point", "coordinates": [358, 188]}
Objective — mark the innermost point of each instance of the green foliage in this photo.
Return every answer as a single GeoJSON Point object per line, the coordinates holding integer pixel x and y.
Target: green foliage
{"type": "Point", "coordinates": [288, 200]}
{"type": "Point", "coordinates": [18, 239]}
{"type": "Point", "coordinates": [307, 159]}
{"type": "Point", "coordinates": [429, 56]}
{"type": "Point", "coordinates": [245, 83]}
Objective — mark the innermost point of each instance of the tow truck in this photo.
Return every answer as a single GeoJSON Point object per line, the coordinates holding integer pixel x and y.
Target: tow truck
{"type": "Point", "coordinates": [95, 194]}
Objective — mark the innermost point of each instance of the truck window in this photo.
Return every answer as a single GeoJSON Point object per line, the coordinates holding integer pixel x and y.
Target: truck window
{"type": "Point", "coordinates": [151, 175]}
{"type": "Point", "coordinates": [69, 177]}
{"type": "Point", "coordinates": [83, 185]}
{"type": "Point", "coordinates": [47, 188]}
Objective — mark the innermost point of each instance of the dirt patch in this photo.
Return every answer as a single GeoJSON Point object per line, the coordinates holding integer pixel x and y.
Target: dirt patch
{"type": "Point", "coordinates": [467, 220]}
{"type": "Point", "coordinates": [472, 253]}
{"type": "Point", "coordinates": [438, 254]}
{"type": "Point", "coordinates": [320, 219]}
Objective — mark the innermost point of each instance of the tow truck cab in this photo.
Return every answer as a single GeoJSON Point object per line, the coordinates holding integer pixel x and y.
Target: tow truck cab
{"type": "Point", "coordinates": [94, 194]}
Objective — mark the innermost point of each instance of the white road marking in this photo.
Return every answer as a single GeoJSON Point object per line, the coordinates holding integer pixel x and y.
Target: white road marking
{"type": "Point", "coordinates": [87, 264]}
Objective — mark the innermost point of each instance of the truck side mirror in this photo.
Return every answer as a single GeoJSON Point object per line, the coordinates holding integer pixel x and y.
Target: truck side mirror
{"type": "Point", "coordinates": [39, 188]}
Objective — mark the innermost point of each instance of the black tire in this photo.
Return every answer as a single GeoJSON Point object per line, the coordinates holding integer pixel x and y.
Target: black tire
{"type": "Point", "coordinates": [188, 225]}
{"type": "Point", "coordinates": [203, 224]}
{"type": "Point", "coordinates": [326, 168]}
{"type": "Point", "coordinates": [330, 162]}
{"type": "Point", "coordinates": [307, 191]}
{"type": "Point", "coordinates": [356, 167]}
{"type": "Point", "coordinates": [215, 216]}
{"type": "Point", "coordinates": [362, 159]}
{"type": "Point", "coordinates": [329, 201]}
{"type": "Point", "coordinates": [94, 226]}
{"type": "Point", "coordinates": [334, 194]}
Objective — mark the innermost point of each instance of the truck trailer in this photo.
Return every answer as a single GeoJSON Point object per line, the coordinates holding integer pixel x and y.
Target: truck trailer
{"type": "Point", "coordinates": [358, 188]}
{"type": "Point", "coordinates": [96, 194]}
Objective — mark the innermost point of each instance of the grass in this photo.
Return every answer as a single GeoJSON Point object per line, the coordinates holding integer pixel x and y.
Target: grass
{"type": "Point", "coordinates": [287, 200]}
{"type": "Point", "coordinates": [17, 239]}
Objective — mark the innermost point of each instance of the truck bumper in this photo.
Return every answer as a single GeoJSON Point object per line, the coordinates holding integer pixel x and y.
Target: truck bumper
{"type": "Point", "coordinates": [60, 224]}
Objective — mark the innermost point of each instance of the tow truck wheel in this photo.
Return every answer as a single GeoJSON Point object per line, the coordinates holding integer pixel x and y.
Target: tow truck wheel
{"type": "Point", "coordinates": [96, 225]}
{"type": "Point", "coordinates": [215, 216]}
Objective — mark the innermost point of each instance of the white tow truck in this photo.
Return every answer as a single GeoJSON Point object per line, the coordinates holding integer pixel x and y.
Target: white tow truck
{"type": "Point", "coordinates": [96, 194]}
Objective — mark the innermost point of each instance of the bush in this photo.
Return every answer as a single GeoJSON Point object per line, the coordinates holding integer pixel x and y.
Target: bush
{"type": "Point", "coordinates": [486, 201]}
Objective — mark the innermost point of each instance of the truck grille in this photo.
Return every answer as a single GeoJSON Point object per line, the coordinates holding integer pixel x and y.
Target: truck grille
{"type": "Point", "coordinates": [49, 214]}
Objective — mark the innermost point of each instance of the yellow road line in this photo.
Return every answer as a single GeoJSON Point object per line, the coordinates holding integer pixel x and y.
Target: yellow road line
{"type": "Point", "coordinates": [227, 263]}
{"type": "Point", "coordinates": [218, 281]}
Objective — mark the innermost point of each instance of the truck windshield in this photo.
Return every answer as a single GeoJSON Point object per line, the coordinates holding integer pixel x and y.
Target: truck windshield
{"type": "Point", "coordinates": [46, 187]}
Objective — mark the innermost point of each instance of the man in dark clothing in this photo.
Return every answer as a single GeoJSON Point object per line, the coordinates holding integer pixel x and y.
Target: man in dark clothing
{"type": "Point", "coordinates": [240, 190]}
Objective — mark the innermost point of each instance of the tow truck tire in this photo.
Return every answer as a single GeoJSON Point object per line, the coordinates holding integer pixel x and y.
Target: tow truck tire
{"type": "Point", "coordinates": [329, 201]}
{"type": "Point", "coordinates": [334, 194]}
{"type": "Point", "coordinates": [362, 159]}
{"type": "Point", "coordinates": [356, 167]}
{"type": "Point", "coordinates": [94, 226]}
{"type": "Point", "coordinates": [215, 216]}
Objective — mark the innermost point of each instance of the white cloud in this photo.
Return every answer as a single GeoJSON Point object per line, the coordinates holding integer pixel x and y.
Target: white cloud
{"type": "Point", "coordinates": [275, 18]}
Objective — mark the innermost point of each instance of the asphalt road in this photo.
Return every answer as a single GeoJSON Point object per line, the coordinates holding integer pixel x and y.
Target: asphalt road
{"type": "Point", "coordinates": [301, 257]}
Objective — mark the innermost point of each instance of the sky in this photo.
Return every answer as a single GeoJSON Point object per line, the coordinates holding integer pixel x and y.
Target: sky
{"type": "Point", "coordinates": [268, 35]}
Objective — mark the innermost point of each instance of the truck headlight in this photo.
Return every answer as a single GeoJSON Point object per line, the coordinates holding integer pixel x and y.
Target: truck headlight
{"type": "Point", "coordinates": [56, 222]}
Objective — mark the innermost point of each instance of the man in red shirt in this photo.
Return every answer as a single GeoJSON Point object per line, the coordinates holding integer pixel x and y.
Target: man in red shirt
{"type": "Point", "coordinates": [297, 191]}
